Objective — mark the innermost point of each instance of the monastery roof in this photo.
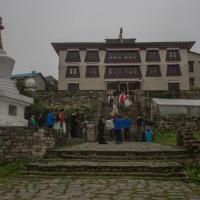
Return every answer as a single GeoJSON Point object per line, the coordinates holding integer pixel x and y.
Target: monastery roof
{"type": "Point", "coordinates": [116, 43]}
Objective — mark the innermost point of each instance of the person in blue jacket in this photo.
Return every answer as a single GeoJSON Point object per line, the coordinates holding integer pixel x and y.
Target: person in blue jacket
{"type": "Point", "coordinates": [127, 122]}
{"type": "Point", "coordinates": [118, 125]}
{"type": "Point", "coordinates": [50, 119]}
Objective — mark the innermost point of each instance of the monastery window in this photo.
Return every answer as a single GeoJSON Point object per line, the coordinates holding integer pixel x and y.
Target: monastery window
{"type": "Point", "coordinates": [191, 81]}
{"type": "Point", "coordinates": [173, 55]}
{"type": "Point", "coordinates": [153, 71]}
{"type": "Point", "coordinates": [152, 55]}
{"type": "Point", "coordinates": [73, 72]}
{"type": "Point", "coordinates": [134, 85]}
{"type": "Point", "coordinates": [123, 72]}
{"type": "Point", "coordinates": [134, 55]}
{"type": "Point", "coordinates": [173, 70]}
{"type": "Point", "coordinates": [92, 71]}
{"type": "Point", "coordinates": [92, 56]}
{"type": "Point", "coordinates": [111, 86]}
{"type": "Point", "coordinates": [122, 57]}
{"type": "Point", "coordinates": [12, 110]}
{"type": "Point", "coordinates": [114, 56]}
{"type": "Point", "coordinates": [133, 71]}
{"type": "Point", "coordinates": [73, 87]}
{"type": "Point", "coordinates": [110, 56]}
{"type": "Point", "coordinates": [174, 87]}
{"type": "Point", "coordinates": [191, 66]}
{"type": "Point", "coordinates": [73, 56]}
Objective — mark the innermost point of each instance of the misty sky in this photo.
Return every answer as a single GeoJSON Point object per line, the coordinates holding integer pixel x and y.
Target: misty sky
{"type": "Point", "coordinates": [31, 25]}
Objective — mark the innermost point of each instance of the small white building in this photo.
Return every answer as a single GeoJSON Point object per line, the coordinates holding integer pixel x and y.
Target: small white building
{"type": "Point", "coordinates": [172, 107]}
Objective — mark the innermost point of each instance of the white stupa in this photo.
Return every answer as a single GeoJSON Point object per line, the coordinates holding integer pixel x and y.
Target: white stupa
{"type": "Point", "coordinates": [12, 104]}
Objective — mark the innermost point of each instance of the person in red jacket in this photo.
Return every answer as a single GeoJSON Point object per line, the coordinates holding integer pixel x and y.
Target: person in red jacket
{"type": "Point", "coordinates": [122, 98]}
{"type": "Point", "coordinates": [61, 118]}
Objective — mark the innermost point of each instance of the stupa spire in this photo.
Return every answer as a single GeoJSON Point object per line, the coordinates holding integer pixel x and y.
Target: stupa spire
{"type": "Point", "coordinates": [1, 28]}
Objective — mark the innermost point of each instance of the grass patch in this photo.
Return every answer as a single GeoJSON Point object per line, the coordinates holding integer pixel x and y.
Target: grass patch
{"type": "Point", "coordinates": [193, 173]}
{"type": "Point", "coordinates": [197, 135]}
{"type": "Point", "coordinates": [10, 169]}
{"type": "Point", "coordinates": [168, 138]}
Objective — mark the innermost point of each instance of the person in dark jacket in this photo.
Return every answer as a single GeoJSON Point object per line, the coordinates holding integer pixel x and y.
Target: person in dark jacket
{"type": "Point", "coordinates": [140, 128]}
{"type": "Point", "coordinates": [101, 125]}
{"type": "Point", "coordinates": [39, 120]}
{"type": "Point", "coordinates": [50, 120]}
{"type": "Point", "coordinates": [118, 125]}
{"type": "Point", "coordinates": [127, 122]}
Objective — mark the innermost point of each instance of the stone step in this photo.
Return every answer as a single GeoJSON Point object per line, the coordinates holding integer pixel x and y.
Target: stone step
{"type": "Point", "coordinates": [100, 158]}
{"type": "Point", "coordinates": [66, 152]}
{"type": "Point", "coordinates": [194, 141]}
{"type": "Point", "coordinates": [119, 167]}
{"type": "Point", "coordinates": [146, 175]}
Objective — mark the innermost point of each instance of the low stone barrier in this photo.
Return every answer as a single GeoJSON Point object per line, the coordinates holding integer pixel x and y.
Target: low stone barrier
{"type": "Point", "coordinates": [91, 132]}
{"type": "Point", "coordinates": [175, 122]}
{"type": "Point", "coordinates": [21, 143]}
{"type": "Point", "coordinates": [186, 139]}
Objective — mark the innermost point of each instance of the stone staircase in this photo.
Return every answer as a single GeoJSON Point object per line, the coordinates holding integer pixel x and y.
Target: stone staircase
{"type": "Point", "coordinates": [133, 111]}
{"type": "Point", "coordinates": [136, 163]}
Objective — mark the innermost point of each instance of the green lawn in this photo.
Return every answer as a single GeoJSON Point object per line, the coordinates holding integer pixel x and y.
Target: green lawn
{"type": "Point", "coordinates": [168, 138]}
{"type": "Point", "coordinates": [10, 169]}
{"type": "Point", "coordinates": [197, 135]}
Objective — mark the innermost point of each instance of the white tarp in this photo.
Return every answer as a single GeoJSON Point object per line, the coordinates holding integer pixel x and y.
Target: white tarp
{"type": "Point", "coordinates": [186, 107]}
{"type": "Point", "coordinates": [176, 102]}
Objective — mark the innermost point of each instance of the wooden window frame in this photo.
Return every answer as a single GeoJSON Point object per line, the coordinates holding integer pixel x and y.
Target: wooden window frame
{"type": "Point", "coordinates": [123, 71]}
{"type": "Point", "coordinates": [173, 55]}
{"type": "Point", "coordinates": [192, 80]}
{"type": "Point", "coordinates": [191, 66]}
{"type": "Point", "coordinates": [72, 75]}
{"type": "Point", "coordinates": [12, 110]}
{"type": "Point", "coordinates": [70, 87]}
{"type": "Point", "coordinates": [150, 58]}
{"type": "Point", "coordinates": [88, 73]}
{"type": "Point", "coordinates": [89, 58]}
{"type": "Point", "coordinates": [173, 72]}
{"type": "Point", "coordinates": [71, 58]}
{"type": "Point", "coordinates": [150, 73]}
{"type": "Point", "coordinates": [173, 88]}
{"type": "Point", "coordinates": [122, 57]}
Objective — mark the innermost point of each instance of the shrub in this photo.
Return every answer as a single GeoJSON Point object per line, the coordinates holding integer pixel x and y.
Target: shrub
{"type": "Point", "coordinates": [193, 173]}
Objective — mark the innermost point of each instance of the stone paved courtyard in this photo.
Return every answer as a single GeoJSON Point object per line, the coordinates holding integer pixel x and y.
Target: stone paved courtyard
{"type": "Point", "coordinates": [111, 187]}
{"type": "Point", "coordinates": [86, 188]}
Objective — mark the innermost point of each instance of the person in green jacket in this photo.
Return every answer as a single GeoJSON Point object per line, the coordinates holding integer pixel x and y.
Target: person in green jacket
{"type": "Point", "coordinates": [33, 122]}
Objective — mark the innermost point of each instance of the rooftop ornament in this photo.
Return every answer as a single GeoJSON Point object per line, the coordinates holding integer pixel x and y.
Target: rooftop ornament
{"type": "Point", "coordinates": [1, 28]}
{"type": "Point", "coordinates": [120, 34]}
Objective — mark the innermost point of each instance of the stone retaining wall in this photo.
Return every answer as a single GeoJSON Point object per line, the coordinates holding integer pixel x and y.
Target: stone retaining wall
{"type": "Point", "coordinates": [175, 122]}
{"type": "Point", "coordinates": [92, 100]}
{"type": "Point", "coordinates": [20, 143]}
{"type": "Point", "coordinates": [186, 139]}
{"type": "Point", "coordinates": [69, 97]}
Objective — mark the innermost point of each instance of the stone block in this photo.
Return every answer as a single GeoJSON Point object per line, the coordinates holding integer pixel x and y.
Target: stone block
{"type": "Point", "coordinates": [91, 132]}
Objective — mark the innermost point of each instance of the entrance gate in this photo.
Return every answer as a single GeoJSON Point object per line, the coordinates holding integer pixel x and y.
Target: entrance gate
{"type": "Point", "coordinates": [123, 86]}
